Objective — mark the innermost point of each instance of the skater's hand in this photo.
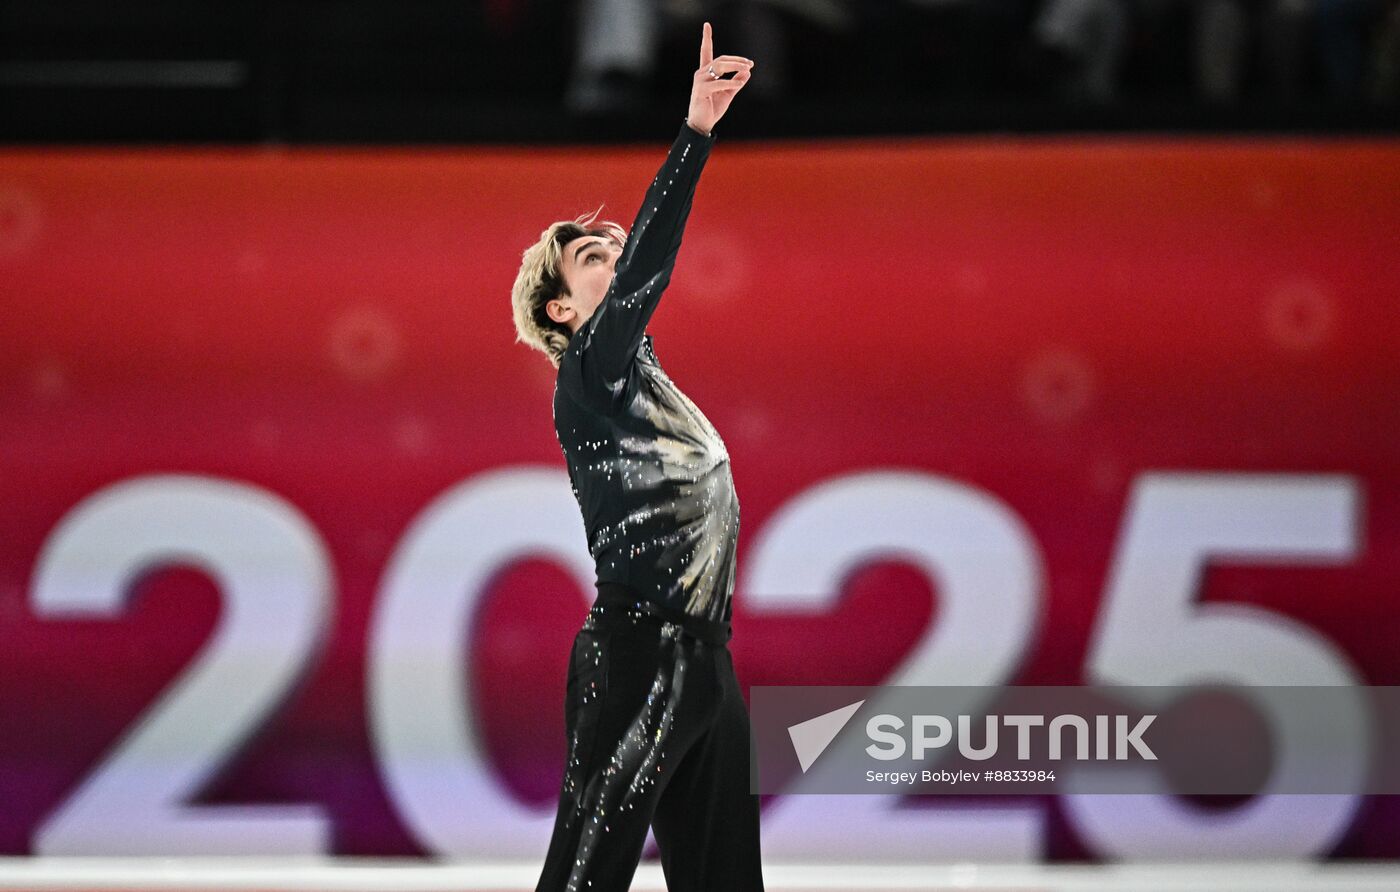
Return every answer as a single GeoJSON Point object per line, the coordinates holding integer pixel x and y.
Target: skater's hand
{"type": "Point", "coordinates": [710, 91]}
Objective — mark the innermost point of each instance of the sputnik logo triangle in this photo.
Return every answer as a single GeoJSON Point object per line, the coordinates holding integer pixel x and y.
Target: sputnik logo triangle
{"type": "Point", "coordinates": [812, 737]}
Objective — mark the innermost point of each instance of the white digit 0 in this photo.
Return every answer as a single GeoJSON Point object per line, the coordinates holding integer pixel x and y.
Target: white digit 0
{"type": "Point", "coordinates": [430, 754]}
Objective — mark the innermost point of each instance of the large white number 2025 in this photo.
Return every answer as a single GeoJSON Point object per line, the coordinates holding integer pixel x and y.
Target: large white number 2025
{"type": "Point", "coordinates": [274, 578]}
{"type": "Point", "coordinates": [1150, 633]}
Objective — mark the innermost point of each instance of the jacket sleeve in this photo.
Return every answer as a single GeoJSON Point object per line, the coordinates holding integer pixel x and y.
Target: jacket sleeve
{"type": "Point", "coordinates": [613, 334]}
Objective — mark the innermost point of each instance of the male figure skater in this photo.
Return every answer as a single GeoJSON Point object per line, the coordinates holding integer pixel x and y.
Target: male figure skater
{"type": "Point", "coordinates": [657, 729]}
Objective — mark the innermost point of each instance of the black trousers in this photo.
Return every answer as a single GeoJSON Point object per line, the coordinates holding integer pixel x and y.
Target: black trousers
{"type": "Point", "coordinates": [658, 735]}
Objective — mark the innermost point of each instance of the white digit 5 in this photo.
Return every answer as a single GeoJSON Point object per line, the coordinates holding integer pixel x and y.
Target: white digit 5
{"type": "Point", "coordinates": [1151, 633]}
{"type": "Point", "coordinates": [274, 578]}
{"type": "Point", "coordinates": [989, 579]}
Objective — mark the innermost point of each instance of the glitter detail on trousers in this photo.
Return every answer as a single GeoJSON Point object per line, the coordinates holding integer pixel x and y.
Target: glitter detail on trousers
{"type": "Point", "coordinates": [658, 735]}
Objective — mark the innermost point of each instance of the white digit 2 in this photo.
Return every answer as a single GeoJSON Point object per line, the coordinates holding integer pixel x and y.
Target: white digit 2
{"type": "Point", "coordinates": [989, 579]}
{"type": "Point", "coordinates": [274, 578]}
{"type": "Point", "coordinates": [1151, 633]}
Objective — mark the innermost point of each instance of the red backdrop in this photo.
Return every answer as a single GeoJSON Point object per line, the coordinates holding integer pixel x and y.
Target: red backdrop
{"type": "Point", "coordinates": [1042, 321]}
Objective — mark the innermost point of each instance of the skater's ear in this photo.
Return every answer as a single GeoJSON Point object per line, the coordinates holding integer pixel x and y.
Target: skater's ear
{"type": "Point", "coordinates": [560, 311]}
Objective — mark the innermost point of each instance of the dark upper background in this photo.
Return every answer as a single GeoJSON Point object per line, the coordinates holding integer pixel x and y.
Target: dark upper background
{"type": "Point", "coordinates": [508, 71]}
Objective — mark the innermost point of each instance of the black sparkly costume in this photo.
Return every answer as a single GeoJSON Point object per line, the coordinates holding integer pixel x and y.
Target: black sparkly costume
{"type": "Point", "coordinates": [658, 733]}
{"type": "Point", "coordinates": [650, 472]}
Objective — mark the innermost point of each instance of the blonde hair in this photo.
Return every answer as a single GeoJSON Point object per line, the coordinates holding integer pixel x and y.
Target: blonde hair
{"type": "Point", "coordinates": [541, 279]}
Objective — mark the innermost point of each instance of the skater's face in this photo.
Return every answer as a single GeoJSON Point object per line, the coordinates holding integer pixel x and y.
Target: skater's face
{"type": "Point", "coordinates": [588, 265]}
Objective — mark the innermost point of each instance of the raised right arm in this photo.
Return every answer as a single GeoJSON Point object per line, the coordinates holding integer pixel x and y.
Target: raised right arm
{"type": "Point", "coordinates": [608, 342]}
{"type": "Point", "coordinates": [613, 334]}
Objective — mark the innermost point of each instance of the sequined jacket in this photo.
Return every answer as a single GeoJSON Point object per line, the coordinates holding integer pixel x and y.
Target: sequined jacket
{"type": "Point", "coordinates": [649, 470]}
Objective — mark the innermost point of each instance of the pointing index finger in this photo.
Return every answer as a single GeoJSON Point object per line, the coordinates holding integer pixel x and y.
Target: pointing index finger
{"type": "Point", "coordinates": [707, 52]}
